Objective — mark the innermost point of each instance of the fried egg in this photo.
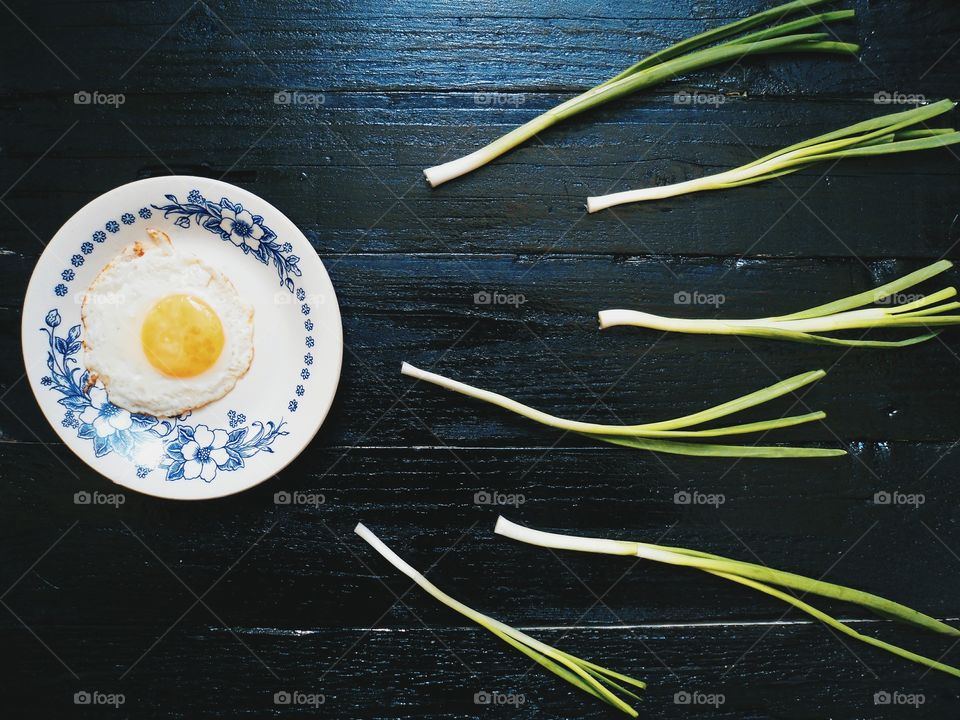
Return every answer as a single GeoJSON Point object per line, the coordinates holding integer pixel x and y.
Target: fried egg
{"type": "Point", "coordinates": [164, 331]}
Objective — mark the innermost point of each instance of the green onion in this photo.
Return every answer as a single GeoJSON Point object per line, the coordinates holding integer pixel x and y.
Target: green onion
{"type": "Point", "coordinates": [663, 436]}
{"type": "Point", "coordinates": [754, 576]}
{"type": "Point", "coordinates": [684, 57]}
{"type": "Point", "coordinates": [884, 135]}
{"type": "Point", "coordinates": [587, 676]}
{"type": "Point", "coordinates": [838, 315]}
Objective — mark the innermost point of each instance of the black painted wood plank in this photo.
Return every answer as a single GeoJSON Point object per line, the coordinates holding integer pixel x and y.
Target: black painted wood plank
{"type": "Point", "coordinates": [349, 173]}
{"type": "Point", "coordinates": [429, 673]}
{"type": "Point", "coordinates": [425, 503]}
{"type": "Point", "coordinates": [549, 353]}
{"type": "Point", "coordinates": [413, 46]}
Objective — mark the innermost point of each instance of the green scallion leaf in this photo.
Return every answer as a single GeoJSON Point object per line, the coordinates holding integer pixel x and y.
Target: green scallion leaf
{"type": "Point", "coordinates": [587, 676]}
{"type": "Point", "coordinates": [848, 313]}
{"type": "Point", "coordinates": [758, 577]}
{"type": "Point", "coordinates": [884, 135]}
{"type": "Point", "coordinates": [662, 436]}
{"type": "Point", "coordinates": [683, 57]}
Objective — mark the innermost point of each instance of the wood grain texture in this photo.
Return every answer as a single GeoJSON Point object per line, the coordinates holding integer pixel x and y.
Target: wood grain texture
{"type": "Point", "coordinates": [106, 599]}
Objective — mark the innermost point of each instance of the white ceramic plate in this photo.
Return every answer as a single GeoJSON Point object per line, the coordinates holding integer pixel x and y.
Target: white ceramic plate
{"type": "Point", "coordinates": [274, 410]}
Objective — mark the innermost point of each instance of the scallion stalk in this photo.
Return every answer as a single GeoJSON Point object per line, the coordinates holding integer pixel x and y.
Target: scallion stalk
{"type": "Point", "coordinates": [683, 57]}
{"type": "Point", "coordinates": [839, 315]}
{"type": "Point", "coordinates": [758, 577]}
{"type": "Point", "coordinates": [663, 436]}
{"type": "Point", "coordinates": [587, 676]}
{"type": "Point", "coordinates": [884, 135]}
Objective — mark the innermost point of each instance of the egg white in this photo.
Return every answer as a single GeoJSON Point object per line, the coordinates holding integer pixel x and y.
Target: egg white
{"type": "Point", "coordinates": [115, 306]}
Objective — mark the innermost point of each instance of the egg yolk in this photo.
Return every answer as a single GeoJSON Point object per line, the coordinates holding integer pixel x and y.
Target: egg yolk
{"type": "Point", "coordinates": [182, 336]}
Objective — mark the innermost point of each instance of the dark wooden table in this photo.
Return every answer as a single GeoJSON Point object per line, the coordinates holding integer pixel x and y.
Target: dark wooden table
{"type": "Point", "coordinates": [208, 609]}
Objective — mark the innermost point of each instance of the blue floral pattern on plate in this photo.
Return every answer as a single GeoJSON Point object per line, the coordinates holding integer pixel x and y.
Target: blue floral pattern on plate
{"type": "Point", "coordinates": [235, 224]}
{"type": "Point", "coordinates": [182, 450]}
